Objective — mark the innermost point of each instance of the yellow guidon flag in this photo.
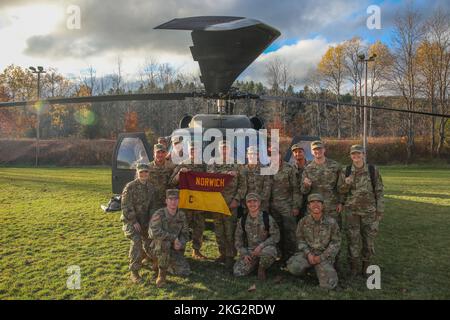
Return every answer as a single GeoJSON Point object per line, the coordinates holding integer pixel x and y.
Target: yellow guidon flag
{"type": "Point", "coordinates": [202, 191]}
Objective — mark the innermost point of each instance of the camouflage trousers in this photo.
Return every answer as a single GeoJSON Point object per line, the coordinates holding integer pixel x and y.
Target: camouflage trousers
{"type": "Point", "coordinates": [170, 259]}
{"type": "Point", "coordinates": [265, 260]}
{"type": "Point", "coordinates": [361, 233]}
{"type": "Point", "coordinates": [327, 275]}
{"type": "Point", "coordinates": [196, 221]}
{"type": "Point", "coordinates": [224, 228]}
{"type": "Point", "coordinates": [139, 246]}
{"type": "Point", "coordinates": [288, 227]}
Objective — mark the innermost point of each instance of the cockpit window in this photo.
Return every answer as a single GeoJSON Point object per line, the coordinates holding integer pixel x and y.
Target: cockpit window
{"type": "Point", "coordinates": [131, 152]}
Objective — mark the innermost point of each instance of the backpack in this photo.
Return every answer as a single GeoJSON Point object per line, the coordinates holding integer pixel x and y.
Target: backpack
{"type": "Point", "coordinates": [244, 219]}
{"type": "Point", "coordinates": [371, 167]}
{"type": "Point", "coordinates": [114, 204]}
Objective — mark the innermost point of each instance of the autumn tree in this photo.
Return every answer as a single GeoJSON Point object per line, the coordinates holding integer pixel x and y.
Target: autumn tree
{"type": "Point", "coordinates": [333, 72]}
{"type": "Point", "coordinates": [427, 64]}
{"type": "Point", "coordinates": [378, 72]}
{"type": "Point", "coordinates": [281, 81]}
{"type": "Point", "coordinates": [354, 68]}
{"type": "Point", "coordinates": [438, 35]}
{"type": "Point", "coordinates": [407, 35]}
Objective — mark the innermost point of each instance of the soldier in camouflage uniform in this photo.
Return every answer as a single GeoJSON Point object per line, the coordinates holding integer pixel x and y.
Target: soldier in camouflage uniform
{"type": "Point", "coordinates": [160, 173]}
{"type": "Point", "coordinates": [257, 246]}
{"type": "Point", "coordinates": [177, 150]}
{"type": "Point", "coordinates": [137, 203]}
{"type": "Point", "coordinates": [299, 165]}
{"type": "Point", "coordinates": [224, 226]}
{"type": "Point", "coordinates": [364, 207]}
{"type": "Point", "coordinates": [252, 181]}
{"type": "Point", "coordinates": [318, 241]}
{"type": "Point", "coordinates": [196, 218]}
{"type": "Point", "coordinates": [285, 204]}
{"type": "Point", "coordinates": [163, 141]}
{"type": "Point", "coordinates": [322, 176]}
{"type": "Point", "coordinates": [169, 233]}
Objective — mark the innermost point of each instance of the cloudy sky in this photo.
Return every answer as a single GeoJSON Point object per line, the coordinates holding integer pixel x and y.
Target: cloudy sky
{"type": "Point", "coordinates": [35, 32]}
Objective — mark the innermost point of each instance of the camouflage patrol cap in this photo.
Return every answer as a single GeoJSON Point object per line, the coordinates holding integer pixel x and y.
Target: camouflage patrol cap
{"type": "Point", "coordinates": [252, 150]}
{"type": "Point", "coordinates": [172, 193]}
{"type": "Point", "coordinates": [142, 167]}
{"type": "Point", "coordinates": [297, 146]}
{"type": "Point", "coordinates": [252, 196]}
{"type": "Point", "coordinates": [316, 144]}
{"type": "Point", "coordinates": [315, 197]}
{"type": "Point", "coordinates": [159, 147]}
{"type": "Point", "coordinates": [356, 148]}
{"type": "Point", "coordinates": [177, 139]}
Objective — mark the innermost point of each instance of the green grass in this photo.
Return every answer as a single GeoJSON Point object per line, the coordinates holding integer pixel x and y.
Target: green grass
{"type": "Point", "coordinates": [50, 219]}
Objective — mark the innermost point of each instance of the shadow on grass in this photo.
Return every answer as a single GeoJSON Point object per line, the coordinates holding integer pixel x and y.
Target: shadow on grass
{"type": "Point", "coordinates": [41, 182]}
{"type": "Point", "coordinates": [407, 242]}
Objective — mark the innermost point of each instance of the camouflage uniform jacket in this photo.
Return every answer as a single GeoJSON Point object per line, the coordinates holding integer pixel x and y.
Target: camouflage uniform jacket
{"type": "Point", "coordinates": [320, 237]}
{"type": "Point", "coordinates": [230, 192]}
{"type": "Point", "coordinates": [253, 181]}
{"type": "Point", "coordinates": [325, 179]}
{"type": "Point", "coordinates": [165, 227]}
{"type": "Point", "coordinates": [360, 197]}
{"type": "Point", "coordinates": [187, 163]}
{"type": "Point", "coordinates": [159, 176]}
{"type": "Point", "coordinates": [256, 234]}
{"type": "Point", "coordinates": [285, 188]}
{"type": "Point", "coordinates": [137, 202]}
{"type": "Point", "coordinates": [299, 171]}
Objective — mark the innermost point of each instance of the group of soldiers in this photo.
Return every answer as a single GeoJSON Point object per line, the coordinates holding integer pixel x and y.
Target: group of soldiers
{"type": "Point", "coordinates": [294, 216]}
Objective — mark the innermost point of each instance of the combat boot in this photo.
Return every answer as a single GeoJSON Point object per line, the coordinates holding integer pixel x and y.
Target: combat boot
{"type": "Point", "coordinates": [336, 265]}
{"type": "Point", "coordinates": [161, 280]}
{"type": "Point", "coordinates": [354, 267]}
{"type": "Point", "coordinates": [365, 265]}
{"type": "Point", "coordinates": [220, 259]}
{"type": "Point", "coordinates": [262, 273]}
{"type": "Point", "coordinates": [229, 262]}
{"type": "Point", "coordinates": [135, 277]}
{"type": "Point", "coordinates": [155, 265]}
{"type": "Point", "coordinates": [196, 254]}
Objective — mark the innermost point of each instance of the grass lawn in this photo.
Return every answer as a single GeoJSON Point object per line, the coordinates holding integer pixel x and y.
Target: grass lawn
{"type": "Point", "coordinates": [50, 219]}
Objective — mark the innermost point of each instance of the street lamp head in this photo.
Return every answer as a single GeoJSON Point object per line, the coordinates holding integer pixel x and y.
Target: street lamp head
{"type": "Point", "coordinates": [372, 57]}
{"type": "Point", "coordinates": [32, 69]}
{"type": "Point", "coordinates": [40, 68]}
{"type": "Point", "coordinates": [361, 56]}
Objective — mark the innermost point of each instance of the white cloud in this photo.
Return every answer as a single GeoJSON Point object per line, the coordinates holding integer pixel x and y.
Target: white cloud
{"type": "Point", "coordinates": [301, 57]}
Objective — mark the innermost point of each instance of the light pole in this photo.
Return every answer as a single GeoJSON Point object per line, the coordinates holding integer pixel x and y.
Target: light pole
{"type": "Point", "coordinates": [362, 58]}
{"type": "Point", "coordinates": [39, 70]}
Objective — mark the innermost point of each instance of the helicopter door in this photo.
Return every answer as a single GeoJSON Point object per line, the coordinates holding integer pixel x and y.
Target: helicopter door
{"type": "Point", "coordinates": [130, 149]}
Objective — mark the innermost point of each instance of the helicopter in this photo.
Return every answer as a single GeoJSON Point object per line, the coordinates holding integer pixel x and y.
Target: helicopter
{"type": "Point", "coordinates": [224, 47]}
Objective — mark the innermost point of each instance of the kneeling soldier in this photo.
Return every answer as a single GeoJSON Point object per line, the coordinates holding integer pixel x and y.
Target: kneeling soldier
{"type": "Point", "coordinates": [137, 202]}
{"type": "Point", "coordinates": [256, 237]}
{"type": "Point", "coordinates": [169, 233]}
{"type": "Point", "coordinates": [319, 241]}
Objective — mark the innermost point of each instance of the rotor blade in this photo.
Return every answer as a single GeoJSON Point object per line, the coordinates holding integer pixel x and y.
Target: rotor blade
{"type": "Point", "coordinates": [107, 98]}
{"type": "Point", "coordinates": [347, 104]}
{"type": "Point", "coordinates": [197, 23]}
{"type": "Point", "coordinates": [224, 46]}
